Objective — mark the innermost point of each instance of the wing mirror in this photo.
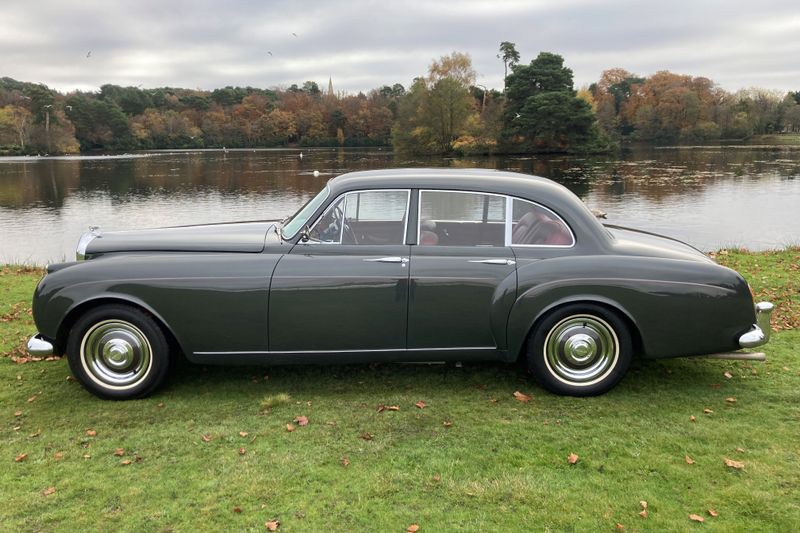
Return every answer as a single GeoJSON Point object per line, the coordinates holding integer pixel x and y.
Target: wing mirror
{"type": "Point", "coordinates": [304, 234]}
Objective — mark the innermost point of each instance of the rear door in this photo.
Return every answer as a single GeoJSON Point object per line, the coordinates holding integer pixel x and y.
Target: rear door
{"type": "Point", "coordinates": [463, 276]}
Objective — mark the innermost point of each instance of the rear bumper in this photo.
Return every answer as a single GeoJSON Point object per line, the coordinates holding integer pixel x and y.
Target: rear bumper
{"type": "Point", "coordinates": [759, 332]}
{"type": "Point", "coordinates": [40, 347]}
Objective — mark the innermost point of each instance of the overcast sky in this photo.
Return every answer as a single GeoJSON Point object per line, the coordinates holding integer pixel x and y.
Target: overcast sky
{"type": "Point", "coordinates": [367, 44]}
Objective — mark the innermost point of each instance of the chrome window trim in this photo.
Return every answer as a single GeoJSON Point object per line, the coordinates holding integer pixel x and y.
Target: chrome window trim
{"type": "Point", "coordinates": [509, 221]}
{"type": "Point", "coordinates": [344, 211]}
{"type": "Point", "coordinates": [279, 352]}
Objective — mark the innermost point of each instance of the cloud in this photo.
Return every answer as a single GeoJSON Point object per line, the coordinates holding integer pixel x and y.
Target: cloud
{"type": "Point", "coordinates": [365, 44]}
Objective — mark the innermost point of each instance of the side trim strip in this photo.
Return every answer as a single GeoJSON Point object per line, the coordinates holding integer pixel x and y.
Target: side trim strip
{"type": "Point", "coordinates": [401, 350]}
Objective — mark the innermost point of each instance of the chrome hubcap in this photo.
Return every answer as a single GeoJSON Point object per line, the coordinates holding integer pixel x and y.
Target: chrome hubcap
{"type": "Point", "coordinates": [116, 354]}
{"type": "Point", "coordinates": [581, 349]}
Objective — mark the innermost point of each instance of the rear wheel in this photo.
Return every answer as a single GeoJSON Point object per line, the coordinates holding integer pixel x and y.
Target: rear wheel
{"type": "Point", "coordinates": [118, 352]}
{"type": "Point", "coordinates": [580, 350]}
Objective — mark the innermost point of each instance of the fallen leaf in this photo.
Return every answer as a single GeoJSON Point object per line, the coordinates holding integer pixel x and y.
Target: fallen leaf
{"type": "Point", "coordinates": [58, 456]}
{"type": "Point", "coordinates": [48, 491]}
{"type": "Point", "coordinates": [643, 504]}
{"type": "Point", "coordinates": [437, 477]}
{"type": "Point", "coordinates": [301, 420]}
{"type": "Point", "coordinates": [392, 407]}
{"type": "Point", "coordinates": [689, 460]}
{"type": "Point", "coordinates": [366, 436]}
{"type": "Point", "coordinates": [206, 438]}
{"type": "Point", "coordinates": [696, 518]}
{"type": "Point", "coordinates": [32, 398]}
{"type": "Point", "coordinates": [91, 433]}
{"type": "Point", "coordinates": [345, 461]}
{"type": "Point", "coordinates": [572, 458]}
{"type": "Point", "coordinates": [734, 464]}
{"type": "Point", "coordinates": [34, 435]}
{"type": "Point", "coordinates": [160, 404]}
{"type": "Point", "coordinates": [713, 513]}
{"type": "Point", "coordinates": [273, 525]}
{"type": "Point", "coordinates": [70, 378]}
{"type": "Point", "coordinates": [87, 456]}
{"type": "Point", "coordinates": [242, 434]}
{"type": "Point", "coordinates": [740, 450]}
{"type": "Point", "coordinates": [18, 413]}
{"type": "Point", "coordinates": [692, 418]}
{"type": "Point", "coordinates": [447, 424]}
{"type": "Point", "coordinates": [17, 428]}
{"type": "Point", "coordinates": [289, 427]}
{"type": "Point", "coordinates": [643, 513]}
{"type": "Point", "coordinates": [413, 528]}
{"type": "Point", "coordinates": [21, 457]}
{"type": "Point", "coordinates": [521, 397]}
{"type": "Point", "coordinates": [707, 411]}
{"type": "Point", "coordinates": [728, 375]}
{"type": "Point", "coordinates": [730, 400]}
{"type": "Point", "coordinates": [119, 452]}
{"type": "Point", "coordinates": [126, 462]}
{"type": "Point", "coordinates": [420, 404]}
{"type": "Point", "coordinates": [242, 451]}
{"type": "Point", "coordinates": [619, 526]}
{"type": "Point", "coordinates": [138, 458]}
{"type": "Point", "coordinates": [237, 509]}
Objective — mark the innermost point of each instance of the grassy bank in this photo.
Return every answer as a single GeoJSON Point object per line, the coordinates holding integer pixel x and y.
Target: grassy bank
{"type": "Point", "coordinates": [784, 139]}
{"type": "Point", "coordinates": [204, 453]}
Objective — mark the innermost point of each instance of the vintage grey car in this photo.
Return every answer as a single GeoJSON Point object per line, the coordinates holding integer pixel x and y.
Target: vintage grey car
{"type": "Point", "coordinates": [395, 265]}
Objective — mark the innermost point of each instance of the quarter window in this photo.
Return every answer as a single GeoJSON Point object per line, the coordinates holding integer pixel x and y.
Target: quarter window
{"type": "Point", "coordinates": [533, 224]}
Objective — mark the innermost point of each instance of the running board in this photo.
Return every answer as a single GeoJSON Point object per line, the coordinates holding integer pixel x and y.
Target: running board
{"type": "Point", "coordinates": [743, 356]}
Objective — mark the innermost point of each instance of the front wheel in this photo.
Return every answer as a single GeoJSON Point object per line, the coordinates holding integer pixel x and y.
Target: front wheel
{"type": "Point", "coordinates": [580, 350]}
{"type": "Point", "coordinates": [118, 352]}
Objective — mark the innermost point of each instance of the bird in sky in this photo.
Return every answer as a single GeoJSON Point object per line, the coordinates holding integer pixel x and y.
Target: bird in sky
{"type": "Point", "coordinates": [270, 53]}
{"type": "Point", "coordinates": [89, 54]}
{"type": "Point", "coordinates": [293, 33]}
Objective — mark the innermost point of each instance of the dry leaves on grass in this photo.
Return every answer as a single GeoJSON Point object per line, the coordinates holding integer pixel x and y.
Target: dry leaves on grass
{"type": "Point", "coordinates": [366, 436]}
{"type": "Point", "coordinates": [289, 427]}
{"type": "Point", "coordinates": [447, 424]}
{"type": "Point", "coordinates": [345, 461]}
{"type": "Point", "coordinates": [413, 528]}
{"type": "Point", "coordinates": [572, 458]}
{"type": "Point", "coordinates": [420, 405]}
{"type": "Point", "coordinates": [242, 451]}
{"type": "Point", "coordinates": [712, 513]}
{"type": "Point", "coordinates": [643, 505]}
{"type": "Point", "coordinates": [521, 397]}
{"type": "Point", "coordinates": [734, 464]}
{"type": "Point", "coordinates": [33, 398]}
{"type": "Point", "coordinates": [382, 408]}
{"type": "Point", "coordinates": [17, 413]}
{"type": "Point", "coordinates": [707, 411]}
{"type": "Point", "coordinates": [48, 491]}
{"type": "Point", "coordinates": [272, 525]}
{"type": "Point", "coordinates": [696, 518]}
{"type": "Point", "coordinates": [689, 460]}
{"type": "Point", "coordinates": [119, 452]}
{"type": "Point", "coordinates": [237, 509]}
{"type": "Point", "coordinates": [58, 456]}
{"type": "Point", "coordinates": [728, 375]}
{"type": "Point", "coordinates": [693, 418]}
{"type": "Point", "coordinates": [206, 438]}
{"type": "Point", "coordinates": [21, 457]}
{"type": "Point", "coordinates": [91, 433]}
{"type": "Point", "coordinates": [301, 420]}
{"type": "Point", "coordinates": [730, 400]}
{"type": "Point", "coordinates": [243, 434]}
{"type": "Point", "coordinates": [126, 462]}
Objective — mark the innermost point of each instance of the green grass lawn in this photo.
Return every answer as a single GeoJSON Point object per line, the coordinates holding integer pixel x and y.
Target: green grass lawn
{"type": "Point", "coordinates": [202, 454]}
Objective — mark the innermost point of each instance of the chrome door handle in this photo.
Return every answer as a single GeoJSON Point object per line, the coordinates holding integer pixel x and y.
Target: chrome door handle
{"type": "Point", "coordinates": [391, 259]}
{"type": "Point", "coordinates": [506, 262]}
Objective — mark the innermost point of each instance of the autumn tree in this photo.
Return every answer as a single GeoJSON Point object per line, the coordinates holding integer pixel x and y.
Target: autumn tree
{"type": "Point", "coordinates": [509, 55]}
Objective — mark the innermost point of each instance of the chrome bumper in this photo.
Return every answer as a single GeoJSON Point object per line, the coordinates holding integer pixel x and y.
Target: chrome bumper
{"type": "Point", "coordinates": [759, 333]}
{"type": "Point", "coordinates": [39, 347]}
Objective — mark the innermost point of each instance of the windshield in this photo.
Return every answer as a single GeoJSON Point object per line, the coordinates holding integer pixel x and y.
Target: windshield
{"type": "Point", "coordinates": [299, 219]}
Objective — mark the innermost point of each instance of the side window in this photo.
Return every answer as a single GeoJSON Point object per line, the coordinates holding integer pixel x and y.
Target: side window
{"type": "Point", "coordinates": [449, 218]}
{"type": "Point", "coordinates": [364, 217]}
{"type": "Point", "coordinates": [533, 224]}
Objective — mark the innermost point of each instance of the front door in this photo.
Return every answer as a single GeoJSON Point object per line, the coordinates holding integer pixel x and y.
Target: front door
{"type": "Point", "coordinates": [346, 289]}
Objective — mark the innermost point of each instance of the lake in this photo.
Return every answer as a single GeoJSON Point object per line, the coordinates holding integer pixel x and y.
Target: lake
{"type": "Point", "coordinates": [710, 197]}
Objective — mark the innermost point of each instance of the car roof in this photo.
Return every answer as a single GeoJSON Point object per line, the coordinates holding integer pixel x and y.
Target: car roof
{"type": "Point", "coordinates": [474, 179]}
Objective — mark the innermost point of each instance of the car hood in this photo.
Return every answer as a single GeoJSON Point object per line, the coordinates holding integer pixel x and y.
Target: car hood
{"type": "Point", "coordinates": [229, 237]}
{"type": "Point", "coordinates": [629, 241]}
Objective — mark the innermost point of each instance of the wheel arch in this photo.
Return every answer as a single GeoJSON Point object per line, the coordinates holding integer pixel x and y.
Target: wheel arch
{"type": "Point", "coordinates": [77, 310]}
{"type": "Point", "coordinates": [520, 347]}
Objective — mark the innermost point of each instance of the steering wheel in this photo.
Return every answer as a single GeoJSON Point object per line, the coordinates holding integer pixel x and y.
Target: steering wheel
{"type": "Point", "coordinates": [340, 222]}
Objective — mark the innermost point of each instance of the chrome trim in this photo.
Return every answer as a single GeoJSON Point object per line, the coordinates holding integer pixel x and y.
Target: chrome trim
{"type": "Point", "coordinates": [739, 356]}
{"type": "Point", "coordinates": [281, 352]}
{"type": "Point", "coordinates": [581, 350]}
{"type": "Point", "coordinates": [39, 347]}
{"type": "Point", "coordinates": [760, 331]}
{"type": "Point", "coordinates": [83, 242]}
{"type": "Point", "coordinates": [507, 262]}
{"type": "Point", "coordinates": [116, 354]}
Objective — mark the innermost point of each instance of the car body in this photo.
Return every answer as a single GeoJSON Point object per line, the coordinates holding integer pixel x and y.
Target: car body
{"type": "Point", "coordinates": [395, 265]}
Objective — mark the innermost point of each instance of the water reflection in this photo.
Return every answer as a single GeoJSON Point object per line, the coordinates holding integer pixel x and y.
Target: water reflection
{"type": "Point", "coordinates": [711, 196]}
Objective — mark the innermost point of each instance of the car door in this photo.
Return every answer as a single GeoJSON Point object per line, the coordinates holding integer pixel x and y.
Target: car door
{"type": "Point", "coordinates": [462, 275]}
{"type": "Point", "coordinates": [346, 288]}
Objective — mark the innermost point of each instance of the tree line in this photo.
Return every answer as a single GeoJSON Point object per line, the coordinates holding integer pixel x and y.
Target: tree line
{"type": "Point", "coordinates": [443, 111]}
